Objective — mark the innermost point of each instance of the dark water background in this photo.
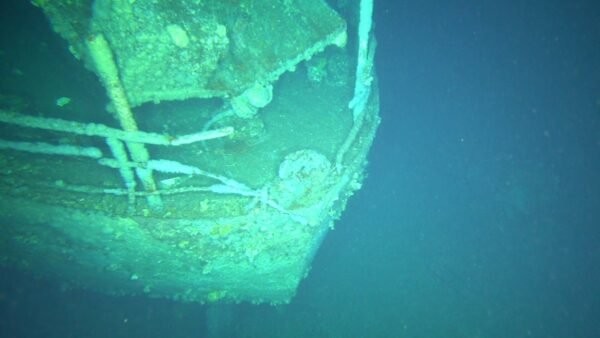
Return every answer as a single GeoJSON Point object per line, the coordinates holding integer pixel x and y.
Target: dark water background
{"type": "Point", "coordinates": [480, 216]}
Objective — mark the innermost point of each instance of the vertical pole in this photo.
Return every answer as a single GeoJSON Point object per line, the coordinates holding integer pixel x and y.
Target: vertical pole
{"type": "Point", "coordinates": [364, 62]}
{"type": "Point", "coordinates": [106, 68]}
{"type": "Point", "coordinates": [363, 80]}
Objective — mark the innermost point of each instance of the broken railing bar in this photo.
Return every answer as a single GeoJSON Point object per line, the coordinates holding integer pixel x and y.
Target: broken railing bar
{"type": "Point", "coordinates": [227, 186]}
{"type": "Point", "coordinates": [94, 129]}
{"type": "Point", "coordinates": [51, 149]}
{"type": "Point", "coordinates": [216, 188]}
